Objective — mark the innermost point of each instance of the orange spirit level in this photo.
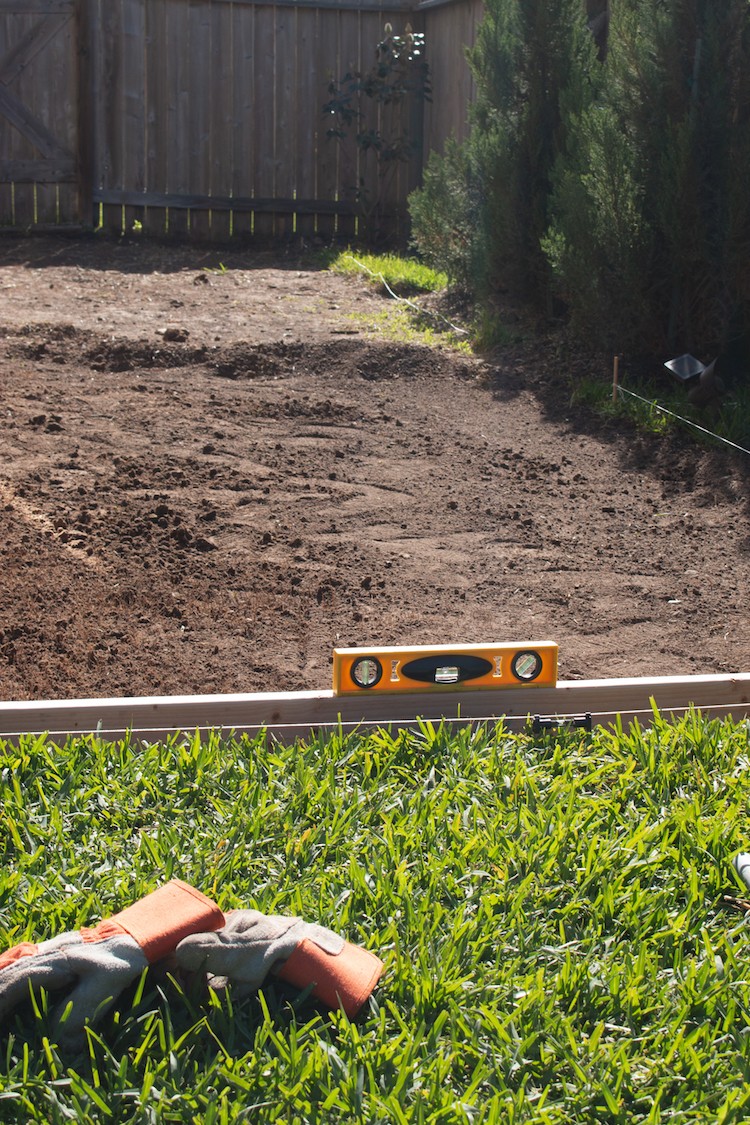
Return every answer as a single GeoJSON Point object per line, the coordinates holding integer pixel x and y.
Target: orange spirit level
{"type": "Point", "coordinates": [444, 667]}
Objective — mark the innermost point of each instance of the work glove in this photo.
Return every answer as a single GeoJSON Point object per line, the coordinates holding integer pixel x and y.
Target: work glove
{"type": "Point", "coordinates": [96, 965]}
{"type": "Point", "coordinates": [253, 945]}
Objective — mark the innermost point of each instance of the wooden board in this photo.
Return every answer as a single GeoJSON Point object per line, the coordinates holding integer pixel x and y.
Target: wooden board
{"type": "Point", "coordinates": [309, 123]}
{"type": "Point", "coordinates": [155, 116]}
{"type": "Point", "coordinates": [220, 118]}
{"type": "Point", "coordinates": [175, 53]}
{"type": "Point", "coordinates": [328, 151]}
{"type": "Point", "coordinates": [286, 153]}
{"type": "Point", "coordinates": [243, 118]}
{"type": "Point", "coordinates": [203, 88]}
{"type": "Point", "coordinates": [350, 161]}
{"type": "Point", "coordinates": [108, 144]}
{"type": "Point", "coordinates": [264, 115]}
{"type": "Point", "coordinates": [131, 127]}
{"type": "Point", "coordinates": [289, 715]}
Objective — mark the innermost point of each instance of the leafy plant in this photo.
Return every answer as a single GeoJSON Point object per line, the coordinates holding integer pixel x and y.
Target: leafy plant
{"type": "Point", "coordinates": [376, 109]}
{"type": "Point", "coordinates": [444, 214]}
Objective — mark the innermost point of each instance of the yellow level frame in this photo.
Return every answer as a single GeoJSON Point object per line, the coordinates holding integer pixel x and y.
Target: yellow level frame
{"type": "Point", "coordinates": [444, 668]}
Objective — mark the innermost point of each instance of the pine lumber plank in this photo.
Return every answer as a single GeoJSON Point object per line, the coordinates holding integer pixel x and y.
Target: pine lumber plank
{"type": "Point", "coordinates": [288, 715]}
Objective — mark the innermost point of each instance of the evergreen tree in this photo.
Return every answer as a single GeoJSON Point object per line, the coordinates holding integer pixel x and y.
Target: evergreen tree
{"type": "Point", "coordinates": [616, 168]}
{"type": "Point", "coordinates": [651, 216]}
{"type": "Point", "coordinates": [532, 62]}
{"type": "Point", "coordinates": [483, 209]}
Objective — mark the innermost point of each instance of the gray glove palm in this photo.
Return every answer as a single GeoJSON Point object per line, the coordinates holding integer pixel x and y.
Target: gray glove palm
{"type": "Point", "coordinates": [251, 945]}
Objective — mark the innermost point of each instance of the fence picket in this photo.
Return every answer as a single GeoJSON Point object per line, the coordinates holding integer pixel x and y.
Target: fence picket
{"type": "Point", "coordinates": [286, 155]}
{"type": "Point", "coordinates": [220, 118]}
{"type": "Point", "coordinates": [201, 59]}
{"type": "Point", "coordinates": [243, 142]}
{"type": "Point", "coordinates": [132, 130]}
{"type": "Point", "coordinates": [349, 164]}
{"type": "Point", "coordinates": [307, 122]}
{"type": "Point", "coordinates": [264, 115]}
{"type": "Point", "coordinates": [328, 152]}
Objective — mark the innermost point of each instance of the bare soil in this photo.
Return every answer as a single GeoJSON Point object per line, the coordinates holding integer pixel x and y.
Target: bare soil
{"type": "Point", "coordinates": [212, 471]}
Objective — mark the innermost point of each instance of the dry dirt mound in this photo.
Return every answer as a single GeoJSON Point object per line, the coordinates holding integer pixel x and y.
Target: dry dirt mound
{"type": "Point", "coordinates": [205, 485]}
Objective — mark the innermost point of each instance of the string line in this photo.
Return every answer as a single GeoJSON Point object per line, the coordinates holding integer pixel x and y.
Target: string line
{"type": "Point", "coordinates": [406, 301]}
{"type": "Point", "coordinates": [687, 422]}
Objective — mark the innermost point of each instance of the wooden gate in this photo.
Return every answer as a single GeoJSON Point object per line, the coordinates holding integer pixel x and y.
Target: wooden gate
{"type": "Point", "coordinates": [40, 124]}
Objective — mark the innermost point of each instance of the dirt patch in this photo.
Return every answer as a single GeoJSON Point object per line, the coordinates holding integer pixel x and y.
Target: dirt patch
{"type": "Point", "coordinates": [212, 472]}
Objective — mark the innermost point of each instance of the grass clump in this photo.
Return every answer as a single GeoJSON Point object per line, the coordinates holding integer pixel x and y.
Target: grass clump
{"type": "Point", "coordinates": [409, 326]}
{"type": "Point", "coordinates": [552, 911]}
{"type": "Point", "coordinates": [596, 394]}
{"type": "Point", "coordinates": [405, 276]}
{"type": "Point", "coordinates": [664, 409]}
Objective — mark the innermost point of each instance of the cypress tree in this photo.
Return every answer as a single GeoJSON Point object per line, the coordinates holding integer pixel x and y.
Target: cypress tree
{"type": "Point", "coordinates": [650, 227]}
{"type": "Point", "coordinates": [532, 61]}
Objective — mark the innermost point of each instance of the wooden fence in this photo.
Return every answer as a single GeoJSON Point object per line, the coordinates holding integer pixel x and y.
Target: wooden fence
{"type": "Point", "coordinates": [203, 118]}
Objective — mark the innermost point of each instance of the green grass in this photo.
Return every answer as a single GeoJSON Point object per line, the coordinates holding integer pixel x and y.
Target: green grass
{"type": "Point", "coordinates": [407, 326]}
{"type": "Point", "coordinates": [597, 394]}
{"type": "Point", "coordinates": [728, 419]}
{"type": "Point", "coordinates": [405, 276]}
{"type": "Point", "coordinates": [550, 910]}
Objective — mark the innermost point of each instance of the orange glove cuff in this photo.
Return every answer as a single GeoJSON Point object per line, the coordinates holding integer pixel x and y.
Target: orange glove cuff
{"type": "Point", "coordinates": [16, 952]}
{"type": "Point", "coordinates": [161, 919]}
{"type": "Point", "coordinates": [341, 980]}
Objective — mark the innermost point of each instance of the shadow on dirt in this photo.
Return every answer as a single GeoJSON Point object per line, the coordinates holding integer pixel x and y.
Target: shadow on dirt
{"type": "Point", "coordinates": [686, 463]}
{"type": "Point", "coordinates": [93, 251]}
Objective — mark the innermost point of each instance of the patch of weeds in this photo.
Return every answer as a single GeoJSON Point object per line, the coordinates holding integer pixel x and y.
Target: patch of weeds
{"type": "Point", "coordinates": [489, 331]}
{"type": "Point", "coordinates": [732, 417]}
{"type": "Point", "coordinates": [643, 412]}
{"type": "Point", "coordinates": [410, 326]}
{"type": "Point", "coordinates": [404, 276]}
{"type": "Point", "coordinates": [665, 410]}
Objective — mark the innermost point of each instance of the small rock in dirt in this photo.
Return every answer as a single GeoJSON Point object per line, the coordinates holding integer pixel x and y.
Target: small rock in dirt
{"type": "Point", "coordinates": [181, 536]}
{"type": "Point", "coordinates": [205, 543]}
{"type": "Point", "coordinates": [178, 335]}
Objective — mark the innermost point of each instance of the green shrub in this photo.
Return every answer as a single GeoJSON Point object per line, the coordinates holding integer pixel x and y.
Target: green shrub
{"type": "Point", "coordinates": [443, 217]}
{"type": "Point", "coordinates": [650, 216]}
